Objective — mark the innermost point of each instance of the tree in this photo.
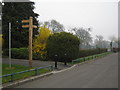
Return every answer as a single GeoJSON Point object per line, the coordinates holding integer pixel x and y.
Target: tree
{"type": "Point", "coordinates": [100, 42]}
{"type": "Point", "coordinates": [0, 18]}
{"type": "Point", "coordinates": [114, 41]}
{"type": "Point", "coordinates": [63, 45]}
{"type": "Point", "coordinates": [54, 25]}
{"type": "Point", "coordinates": [84, 36]}
{"type": "Point", "coordinates": [15, 12]}
{"type": "Point", "coordinates": [113, 38]}
{"type": "Point", "coordinates": [39, 42]}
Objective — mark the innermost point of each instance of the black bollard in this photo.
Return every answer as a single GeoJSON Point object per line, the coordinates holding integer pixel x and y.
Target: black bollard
{"type": "Point", "coordinates": [65, 63]}
{"type": "Point", "coordinates": [56, 57]}
{"type": "Point", "coordinates": [55, 64]}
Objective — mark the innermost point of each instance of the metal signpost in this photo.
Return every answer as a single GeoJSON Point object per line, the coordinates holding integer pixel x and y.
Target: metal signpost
{"type": "Point", "coordinates": [9, 45]}
{"type": "Point", "coordinates": [30, 26]}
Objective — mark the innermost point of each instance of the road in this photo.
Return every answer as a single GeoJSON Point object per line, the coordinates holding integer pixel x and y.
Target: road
{"type": "Point", "coordinates": [100, 73]}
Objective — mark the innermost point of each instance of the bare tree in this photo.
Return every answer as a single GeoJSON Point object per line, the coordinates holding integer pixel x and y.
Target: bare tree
{"type": "Point", "coordinates": [54, 25]}
{"type": "Point", "coordinates": [114, 41]}
{"type": "Point", "coordinates": [47, 24]}
{"type": "Point", "coordinates": [112, 38]}
{"type": "Point", "coordinates": [84, 36]}
{"type": "Point", "coordinates": [101, 43]}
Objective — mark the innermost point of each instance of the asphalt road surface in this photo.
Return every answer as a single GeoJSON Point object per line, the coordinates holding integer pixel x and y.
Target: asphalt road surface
{"type": "Point", "coordinates": [100, 73]}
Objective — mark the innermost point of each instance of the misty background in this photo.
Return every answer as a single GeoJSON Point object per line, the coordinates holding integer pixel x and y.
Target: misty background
{"type": "Point", "coordinates": [101, 17]}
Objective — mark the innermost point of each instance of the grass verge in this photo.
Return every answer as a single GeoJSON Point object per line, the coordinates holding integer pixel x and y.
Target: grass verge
{"type": "Point", "coordinates": [19, 68]}
{"type": "Point", "coordinates": [79, 60]}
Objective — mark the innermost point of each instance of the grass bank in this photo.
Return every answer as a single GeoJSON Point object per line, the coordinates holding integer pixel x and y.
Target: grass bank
{"type": "Point", "coordinates": [18, 68]}
{"type": "Point", "coordinates": [83, 59]}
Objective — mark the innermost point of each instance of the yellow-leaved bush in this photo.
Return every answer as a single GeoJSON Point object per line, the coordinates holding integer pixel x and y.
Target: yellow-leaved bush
{"type": "Point", "coordinates": [39, 42]}
{"type": "Point", "coordinates": [1, 40]}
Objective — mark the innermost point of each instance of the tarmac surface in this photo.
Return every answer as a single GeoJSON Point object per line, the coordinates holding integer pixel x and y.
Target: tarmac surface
{"type": "Point", "coordinates": [100, 73]}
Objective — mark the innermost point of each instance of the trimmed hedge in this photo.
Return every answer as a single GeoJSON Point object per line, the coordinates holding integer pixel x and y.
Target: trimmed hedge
{"type": "Point", "coordinates": [20, 53]}
{"type": "Point", "coordinates": [89, 52]}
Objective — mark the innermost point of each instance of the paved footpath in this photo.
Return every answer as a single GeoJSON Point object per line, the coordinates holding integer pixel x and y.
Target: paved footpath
{"type": "Point", "coordinates": [100, 73]}
{"type": "Point", "coordinates": [35, 63]}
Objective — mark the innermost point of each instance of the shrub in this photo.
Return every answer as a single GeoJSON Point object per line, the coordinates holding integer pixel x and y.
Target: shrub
{"type": "Point", "coordinates": [20, 53]}
{"type": "Point", "coordinates": [64, 45]}
{"type": "Point", "coordinates": [37, 56]}
{"type": "Point", "coordinates": [17, 53]}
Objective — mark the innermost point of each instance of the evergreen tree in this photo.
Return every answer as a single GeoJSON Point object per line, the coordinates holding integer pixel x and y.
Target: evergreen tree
{"type": "Point", "coordinates": [15, 12]}
{"type": "Point", "coordinates": [64, 45]}
{"type": "Point", "coordinates": [0, 18]}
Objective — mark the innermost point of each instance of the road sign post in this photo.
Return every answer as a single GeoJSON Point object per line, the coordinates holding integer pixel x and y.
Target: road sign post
{"type": "Point", "coordinates": [30, 41]}
{"type": "Point", "coordinates": [9, 44]}
{"type": "Point", "coordinates": [30, 26]}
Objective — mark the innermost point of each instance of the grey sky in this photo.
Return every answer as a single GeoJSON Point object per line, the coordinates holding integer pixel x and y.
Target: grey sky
{"type": "Point", "coordinates": [101, 16]}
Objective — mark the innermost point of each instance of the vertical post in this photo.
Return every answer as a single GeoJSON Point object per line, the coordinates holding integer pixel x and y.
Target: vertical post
{"type": "Point", "coordinates": [65, 62]}
{"type": "Point", "coordinates": [30, 41]}
{"type": "Point", "coordinates": [30, 26]}
{"type": "Point", "coordinates": [9, 45]}
{"type": "Point", "coordinates": [55, 64]}
{"type": "Point", "coordinates": [111, 45]}
{"type": "Point", "coordinates": [12, 77]}
{"type": "Point", "coordinates": [36, 71]}
{"type": "Point", "coordinates": [56, 61]}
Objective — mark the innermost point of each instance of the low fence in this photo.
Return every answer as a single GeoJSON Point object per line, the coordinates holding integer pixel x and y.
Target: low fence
{"type": "Point", "coordinates": [79, 60]}
{"type": "Point", "coordinates": [50, 68]}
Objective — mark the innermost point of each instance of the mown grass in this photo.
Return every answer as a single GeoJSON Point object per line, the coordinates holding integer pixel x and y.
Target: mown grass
{"type": "Point", "coordinates": [79, 60]}
{"type": "Point", "coordinates": [19, 68]}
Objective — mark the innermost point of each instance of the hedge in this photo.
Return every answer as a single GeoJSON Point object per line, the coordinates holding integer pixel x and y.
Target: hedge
{"type": "Point", "coordinates": [89, 52]}
{"type": "Point", "coordinates": [20, 53]}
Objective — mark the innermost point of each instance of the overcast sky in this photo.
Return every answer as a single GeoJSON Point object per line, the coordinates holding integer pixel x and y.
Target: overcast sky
{"type": "Point", "coordinates": [102, 16]}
